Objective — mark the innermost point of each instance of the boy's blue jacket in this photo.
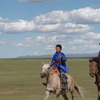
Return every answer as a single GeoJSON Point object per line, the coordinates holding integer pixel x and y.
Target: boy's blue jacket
{"type": "Point", "coordinates": [60, 62]}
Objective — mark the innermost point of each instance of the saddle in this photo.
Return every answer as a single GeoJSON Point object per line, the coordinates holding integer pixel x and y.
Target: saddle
{"type": "Point", "coordinates": [56, 70]}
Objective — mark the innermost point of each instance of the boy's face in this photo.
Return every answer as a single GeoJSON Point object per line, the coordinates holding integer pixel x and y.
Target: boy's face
{"type": "Point", "coordinates": [58, 49]}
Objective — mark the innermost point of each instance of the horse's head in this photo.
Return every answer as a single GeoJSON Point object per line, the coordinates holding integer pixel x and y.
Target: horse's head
{"type": "Point", "coordinates": [44, 71]}
{"type": "Point", "coordinates": [93, 67]}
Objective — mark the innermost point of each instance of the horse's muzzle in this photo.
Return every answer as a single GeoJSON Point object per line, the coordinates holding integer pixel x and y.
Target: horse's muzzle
{"type": "Point", "coordinates": [42, 75]}
{"type": "Point", "coordinates": [92, 74]}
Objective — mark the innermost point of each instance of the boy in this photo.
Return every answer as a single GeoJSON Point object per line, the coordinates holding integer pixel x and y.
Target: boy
{"type": "Point", "coordinates": [58, 61]}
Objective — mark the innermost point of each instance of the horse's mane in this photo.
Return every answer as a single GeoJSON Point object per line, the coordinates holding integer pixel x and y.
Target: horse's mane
{"type": "Point", "coordinates": [94, 59]}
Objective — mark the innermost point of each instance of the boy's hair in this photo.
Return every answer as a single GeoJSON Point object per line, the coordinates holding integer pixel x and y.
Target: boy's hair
{"type": "Point", "coordinates": [58, 45]}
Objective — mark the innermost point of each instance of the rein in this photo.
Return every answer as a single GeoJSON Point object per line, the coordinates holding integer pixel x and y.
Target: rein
{"type": "Point", "coordinates": [48, 72]}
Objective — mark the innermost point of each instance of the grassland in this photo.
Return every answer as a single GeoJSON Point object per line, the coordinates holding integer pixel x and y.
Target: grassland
{"type": "Point", "coordinates": [20, 79]}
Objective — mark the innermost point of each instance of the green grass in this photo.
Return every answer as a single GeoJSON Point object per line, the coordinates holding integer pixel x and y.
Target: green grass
{"type": "Point", "coordinates": [20, 79]}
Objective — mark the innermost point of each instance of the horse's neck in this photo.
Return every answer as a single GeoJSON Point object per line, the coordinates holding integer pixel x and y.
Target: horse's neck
{"type": "Point", "coordinates": [51, 72]}
{"type": "Point", "coordinates": [54, 80]}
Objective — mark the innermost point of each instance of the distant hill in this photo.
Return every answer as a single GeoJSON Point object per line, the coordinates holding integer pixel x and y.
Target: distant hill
{"type": "Point", "coordinates": [67, 55]}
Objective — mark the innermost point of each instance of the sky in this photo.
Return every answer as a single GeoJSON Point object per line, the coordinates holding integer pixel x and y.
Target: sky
{"type": "Point", "coordinates": [34, 27]}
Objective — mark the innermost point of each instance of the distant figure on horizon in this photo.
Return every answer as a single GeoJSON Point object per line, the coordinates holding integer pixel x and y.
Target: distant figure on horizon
{"type": "Point", "coordinates": [99, 54]}
{"type": "Point", "coordinates": [99, 59]}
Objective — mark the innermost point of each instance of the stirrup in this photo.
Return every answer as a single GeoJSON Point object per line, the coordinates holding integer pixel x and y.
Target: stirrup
{"type": "Point", "coordinates": [64, 83]}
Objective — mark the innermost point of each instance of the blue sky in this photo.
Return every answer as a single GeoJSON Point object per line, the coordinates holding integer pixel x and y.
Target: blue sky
{"type": "Point", "coordinates": [34, 27]}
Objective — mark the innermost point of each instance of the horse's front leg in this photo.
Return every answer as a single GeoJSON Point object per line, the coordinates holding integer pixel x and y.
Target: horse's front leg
{"type": "Point", "coordinates": [72, 94]}
{"type": "Point", "coordinates": [46, 95]}
{"type": "Point", "coordinates": [65, 96]}
{"type": "Point", "coordinates": [98, 87]}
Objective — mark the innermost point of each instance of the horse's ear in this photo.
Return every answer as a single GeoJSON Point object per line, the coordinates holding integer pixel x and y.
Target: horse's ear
{"type": "Point", "coordinates": [43, 62]}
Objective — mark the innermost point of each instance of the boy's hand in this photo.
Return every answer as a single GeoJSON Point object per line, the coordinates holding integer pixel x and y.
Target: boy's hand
{"type": "Point", "coordinates": [53, 61]}
{"type": "Point", "coordinates": [61, 56]}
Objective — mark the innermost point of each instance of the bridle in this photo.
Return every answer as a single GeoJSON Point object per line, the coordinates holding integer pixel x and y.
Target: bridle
{"type": "Point", "coordinates": [48, 72]}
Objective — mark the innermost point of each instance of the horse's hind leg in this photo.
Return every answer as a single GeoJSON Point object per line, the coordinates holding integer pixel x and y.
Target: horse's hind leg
{"type": "Point", "coordinates": [65, 96]}
{"type": "Point", "coordinates": [57, 95]}
{"type": "Point", "coordinates": [47, 95]}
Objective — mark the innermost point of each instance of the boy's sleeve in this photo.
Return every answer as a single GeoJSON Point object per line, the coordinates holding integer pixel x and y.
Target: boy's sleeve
{"type": "Point", "coordinates": [63, 59]}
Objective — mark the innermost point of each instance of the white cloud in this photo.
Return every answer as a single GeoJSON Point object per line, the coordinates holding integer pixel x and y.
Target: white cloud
{"type": "Point", "coordinates": [16, 26]}
{"type": "Point", "coordinates": [44, 39]}
{"type": "Point", "coordinates": [31, 1]}
{"type": "Point", "coordinates": [64, 28]}
{"type": "Point", "coordinates": [47, 39]}
{"type": "Point", "coordinates": [91, 46]}
{"type": "Point", "coordinates": [95, 5]}
{"type": "Point", "coordinates": [84, 15]}
{"type": "Point", "coordinates": [52, 39]}
{"type": "Point", "coordinates": [4, 19]}
{"type": "Point", "coordinates": [18, 44]}
{"type": "Point", "coordinates": [41, 38]}
{"type": "Point", "coordinates": [73, 48]}
{"type": "Point", "coordinates": [35, 53]}
{"type": "Point", "coordinates": [81, 41]}
{"type": "Point", "coordinates": [9, 26]}
{"type": "Point", "coordinates": [54, 22]}
{"type": "Point", "coordinates": [52, 17]}
{"type": "Point", "coordinates": [49, 47]}
{"type": "Point", "coordinates": [28, 38]}
{"type": "Point", "coordinates": [2, 42]}
{"type": "Point", "coordinates": [0, 32]}
{"type": "Point", "coordinates": [26, 43]}
{"type": "Point", "coordinates": [91, 35]}
{"type": "Point", "coordinates": [83, 48]}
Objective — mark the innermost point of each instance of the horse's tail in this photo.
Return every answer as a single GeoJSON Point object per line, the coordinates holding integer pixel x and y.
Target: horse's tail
{"type": "Point", "coordinates": [79, 90]}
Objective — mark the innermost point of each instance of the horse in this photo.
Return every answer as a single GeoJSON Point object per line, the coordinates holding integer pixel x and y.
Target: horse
{"type": "Point", "coordinates": [54, 84]}
{"type": "Point", "coordinates": [94, 72]}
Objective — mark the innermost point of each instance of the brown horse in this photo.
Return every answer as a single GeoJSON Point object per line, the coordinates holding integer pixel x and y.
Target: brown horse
{"type": "Point", "coordinates": [54, 86]}
{"type": "Point", "coordinates": [94, 72]}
